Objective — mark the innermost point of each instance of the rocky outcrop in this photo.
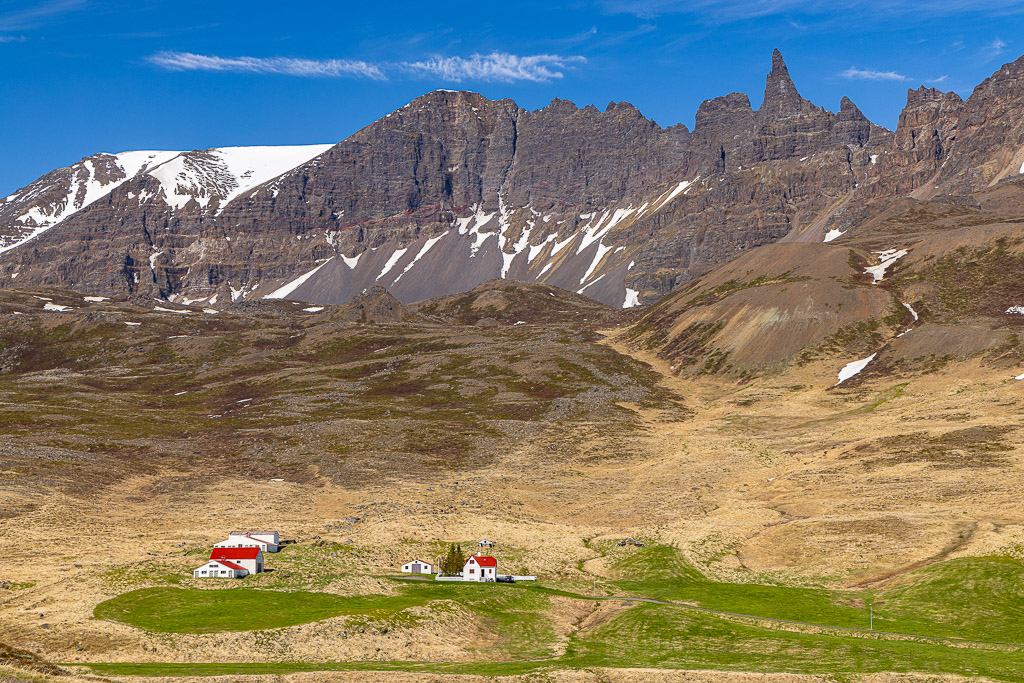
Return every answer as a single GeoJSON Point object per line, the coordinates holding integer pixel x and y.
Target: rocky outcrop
{"type": "Point", "coordinates": [587, 158]}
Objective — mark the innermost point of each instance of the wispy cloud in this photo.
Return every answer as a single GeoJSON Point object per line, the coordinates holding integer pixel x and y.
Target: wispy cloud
{"type": "Point", "coordinates": [496, 66]}
{"type": "Point", "coordinates": [188, 61]}
{"type": "Point", "coordinates": [737, 10]}
{"type": "Point", "coordinates": [993, 49]}
{"type": "Point", "coordinates": [12, 39]}
{"type": "Point", "coordinates": [853, 73]}
{"type": "Point", "coordinates": [32, 17]}
{"type": "Point", "coordinates": [936, 81]}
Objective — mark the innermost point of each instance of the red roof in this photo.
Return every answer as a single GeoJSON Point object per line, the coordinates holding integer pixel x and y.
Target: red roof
{"type": "Point", "coordinates": [231, 565]}
{"type": "Point", "coordinates": [484, 560]}
{"type": "Point", "coordinates": [250, 553]}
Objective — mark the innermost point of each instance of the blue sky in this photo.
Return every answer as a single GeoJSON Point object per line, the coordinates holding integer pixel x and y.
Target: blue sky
{"type": "Point", "coordinates": [83, 76]}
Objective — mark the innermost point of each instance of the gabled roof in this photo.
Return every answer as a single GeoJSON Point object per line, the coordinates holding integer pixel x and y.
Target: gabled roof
{"type": "Point", "coordinates": [246, 533]}
{"type": "Point", "coordinates": [483, 560]}
{"type": "Point", "coordinates": [416, 559]}
{"type": "Point", "coordinates": [231, 565]}
{"type": "Point", "coordinates": [250, 553]}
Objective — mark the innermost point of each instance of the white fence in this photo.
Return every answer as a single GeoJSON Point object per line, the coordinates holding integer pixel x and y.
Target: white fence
{"type": "Point", "coordinates": [459, 578]}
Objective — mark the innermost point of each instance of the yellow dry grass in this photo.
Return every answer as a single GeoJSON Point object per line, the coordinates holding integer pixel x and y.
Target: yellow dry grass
{"type": "Point", "coordinates": [783, 476]}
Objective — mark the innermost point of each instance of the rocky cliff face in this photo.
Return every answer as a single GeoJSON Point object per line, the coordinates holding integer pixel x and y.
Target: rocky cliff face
{"type": "Point", "coordinates": [454, 189]}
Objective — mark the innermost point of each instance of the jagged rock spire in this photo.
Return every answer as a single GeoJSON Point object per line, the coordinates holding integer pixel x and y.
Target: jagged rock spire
{"type": "Point", "coordinates": [780, 95]}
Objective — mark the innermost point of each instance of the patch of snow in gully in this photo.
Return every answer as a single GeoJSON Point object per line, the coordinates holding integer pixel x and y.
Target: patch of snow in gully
{"type": "Point", "coordinates": [285, 290]}
{"type": "Point", "coordinates": [854, 368]}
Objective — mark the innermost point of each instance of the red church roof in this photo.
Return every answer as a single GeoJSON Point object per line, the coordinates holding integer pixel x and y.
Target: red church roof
{"type": "Point", "coordinates": [484, 560]}
{"type": "Point", "coordinates": [250, 553]}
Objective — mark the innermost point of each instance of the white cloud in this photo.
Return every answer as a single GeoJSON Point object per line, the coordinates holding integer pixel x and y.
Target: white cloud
{"type": "Point", "coordinates": [936, 81]}
{"type": "Point", "coordinates": [33, 17]}
{"type": "Point", "coordinates": [496, 66]}
{"type": "Point", "coordinates": [994, 49]}
{"type": "Point", "coordinates": [853, 73]}
{"type": "Point", "coordinates": [12, 39]}
{"type": "Point", "coordinates": [187, 61]}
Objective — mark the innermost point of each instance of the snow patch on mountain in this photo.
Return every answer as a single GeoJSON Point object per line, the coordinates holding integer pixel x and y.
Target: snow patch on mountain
{"type": "Point", "coordinates": [854, 368]}
{"type": "Point", "coordinates": [40, 209]}
{"type": "Point", "coordinates": [283, 291]}
{"type": "Point", "coordinates": [886, 258]}
{"type": "Point", "coordinates": [395, 256]}
{"type": "Point", "coordinates": [422, 252]}
{"type": "Point", "coordinates": [224, 173]}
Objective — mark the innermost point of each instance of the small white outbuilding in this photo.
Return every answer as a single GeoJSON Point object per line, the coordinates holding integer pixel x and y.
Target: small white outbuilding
{"type": "Point", "coordinates": [418, 567]}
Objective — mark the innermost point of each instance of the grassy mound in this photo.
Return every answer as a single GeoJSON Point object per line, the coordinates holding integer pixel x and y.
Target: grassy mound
{"type": "Point", "coordinates": [179, 610]}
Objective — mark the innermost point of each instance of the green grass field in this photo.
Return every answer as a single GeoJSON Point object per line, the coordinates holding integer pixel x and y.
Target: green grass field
{"type": "Point", "coordinates": [976, 598]}
{"type": "Point", "coordinates": [519, 615]}
{"type": "Point", "coordinates": [183, 610]}
{"type": "Point", "coordinates": [979, 598]}
{"type": "Point", "coordinates": [662, 573]}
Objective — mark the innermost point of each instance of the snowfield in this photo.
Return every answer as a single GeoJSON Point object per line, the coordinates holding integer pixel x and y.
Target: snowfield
{"type": "Point", "coordinates": [226, 173]}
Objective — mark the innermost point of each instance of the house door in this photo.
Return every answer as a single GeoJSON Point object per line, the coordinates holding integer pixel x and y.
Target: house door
{"type": "Point", "coordinates": [415, 569]}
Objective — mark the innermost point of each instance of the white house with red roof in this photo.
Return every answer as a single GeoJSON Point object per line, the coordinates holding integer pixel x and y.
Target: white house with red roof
{"type": "Point", "coordinates": [480, 568]}
{"type": "Point", "coordinates": [267, 541]}
{"type": "Point", "coordinates": [232, 563]}
{"type": "Point", "coordinates": [418, 567]}
{"type": "Point", "coordinates": [220, 569]}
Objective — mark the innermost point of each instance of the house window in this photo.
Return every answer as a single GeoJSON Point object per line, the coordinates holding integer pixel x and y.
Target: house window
{"type": "Point", "coordinates": [472, 571]}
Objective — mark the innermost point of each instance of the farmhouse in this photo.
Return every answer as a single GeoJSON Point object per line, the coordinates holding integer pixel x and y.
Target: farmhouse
{"type": "Point", "coordinates": [267, 541]}
{"type": "Point", "coordinates": [222, 569]}
{"type": "Point", "coordinates": [232, 563]}
{"type": "Point", "coordinates": [484, 543]}
{"type": "Point", "coordinates": [480, 568]}
{"type": "Point", "coordinates": [418, 567]}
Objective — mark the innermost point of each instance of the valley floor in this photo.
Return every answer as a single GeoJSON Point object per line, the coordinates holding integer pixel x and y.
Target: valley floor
{"type": "Point", "coordinates": [781, 497]}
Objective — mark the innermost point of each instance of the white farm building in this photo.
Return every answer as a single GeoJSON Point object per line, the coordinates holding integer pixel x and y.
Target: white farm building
{"type": "Point", "coordinates": [418, 567]}
{"type": "Point", "coordinates": [231, 563]}
{"type": "Point", "coordinates": [267, 541]}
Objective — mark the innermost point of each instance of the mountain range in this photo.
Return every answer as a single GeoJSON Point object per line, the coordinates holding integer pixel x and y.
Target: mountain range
{"type": "Point", "coordinates": [454, 189]}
